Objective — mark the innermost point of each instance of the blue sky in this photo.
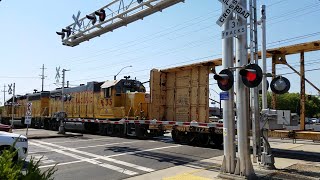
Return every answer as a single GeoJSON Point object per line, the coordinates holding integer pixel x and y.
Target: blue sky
{"type": "Point", "coordinates": [182, 34]}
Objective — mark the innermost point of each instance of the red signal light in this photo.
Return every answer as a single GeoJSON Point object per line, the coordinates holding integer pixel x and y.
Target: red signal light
{"type": "Point", "coordinates": [102, 14]}
{"type": "Point", "coordinates": [251, 75]}
{"type": "Point", "coordinates": [224, 79]}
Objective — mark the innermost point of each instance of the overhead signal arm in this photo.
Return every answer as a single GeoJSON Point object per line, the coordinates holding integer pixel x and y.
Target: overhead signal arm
{"type": "Point", "coordinates": [116, 14]}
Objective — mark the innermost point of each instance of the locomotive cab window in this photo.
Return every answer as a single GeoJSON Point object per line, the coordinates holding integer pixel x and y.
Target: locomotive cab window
{"type": "Point", "coordinates": [107, 92]}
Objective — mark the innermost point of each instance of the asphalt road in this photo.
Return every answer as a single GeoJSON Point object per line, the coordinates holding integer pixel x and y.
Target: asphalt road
{"type": "Point", "coordinates": [102, 157]}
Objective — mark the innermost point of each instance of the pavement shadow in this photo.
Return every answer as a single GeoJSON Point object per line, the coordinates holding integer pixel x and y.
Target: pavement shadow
{"type": "Point", "coordinates": [299, 155]}
{"type": "Point", "coordinates": [168, 140]}
{"type": "Point", "coordinates": [296, 171]}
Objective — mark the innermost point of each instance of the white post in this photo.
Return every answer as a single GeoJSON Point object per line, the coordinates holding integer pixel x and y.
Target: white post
{"type": "Point", "coordinates": [228, 111]}
{"type": "Point", "coordinates": [267, 159]}
{"type": "Point", "coordinates": [263, 55]}
{"type": "Point", "coordinates": [244, 163]}
{"type": "Point", "coordinates": [62, 113]}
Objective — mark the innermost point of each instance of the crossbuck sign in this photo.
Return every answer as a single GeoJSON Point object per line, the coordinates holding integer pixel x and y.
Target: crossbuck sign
{"type": "Point", "coordinates": [232, 6]}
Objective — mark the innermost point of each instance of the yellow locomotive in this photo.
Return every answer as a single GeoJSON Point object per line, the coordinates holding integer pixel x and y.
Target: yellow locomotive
{"type": "Point", "coordinates": [110, 100]}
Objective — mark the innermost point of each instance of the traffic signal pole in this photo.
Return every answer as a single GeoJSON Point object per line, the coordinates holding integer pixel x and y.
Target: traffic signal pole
{"type": "Point", "coordinates": [228, 109]}
{"type": "Point", "coordinates": [244, 165]}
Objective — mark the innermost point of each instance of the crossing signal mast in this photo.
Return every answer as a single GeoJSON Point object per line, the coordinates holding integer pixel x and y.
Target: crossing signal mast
{"type": "Point", "coordinates": [114, 15]}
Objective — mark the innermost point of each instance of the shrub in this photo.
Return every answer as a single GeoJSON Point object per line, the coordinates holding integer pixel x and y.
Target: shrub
{"type": "Point", "coordinates": [11, 170]}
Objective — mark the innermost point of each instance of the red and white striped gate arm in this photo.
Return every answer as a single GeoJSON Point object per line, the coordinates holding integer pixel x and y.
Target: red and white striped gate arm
{"type": "Point", "coordinates": [154, 122]}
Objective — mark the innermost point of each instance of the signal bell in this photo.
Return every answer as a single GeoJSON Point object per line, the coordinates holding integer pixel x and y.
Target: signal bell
{"type": "Point", "coordinates": [280, 85]}
{"type": "Point", "coordinates": [225, 79]}
{"type": "Point", "coordinates": [251, 75]}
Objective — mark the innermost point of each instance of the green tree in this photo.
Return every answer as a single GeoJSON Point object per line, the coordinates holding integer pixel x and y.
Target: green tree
{"type": "Point", "coordinates": [291, 101]}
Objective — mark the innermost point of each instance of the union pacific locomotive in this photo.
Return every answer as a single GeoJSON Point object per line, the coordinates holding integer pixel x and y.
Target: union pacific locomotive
{"type": "Point", "coordinates": [112, 100]}
{"type": "Point", "coordinates": [117, 107]}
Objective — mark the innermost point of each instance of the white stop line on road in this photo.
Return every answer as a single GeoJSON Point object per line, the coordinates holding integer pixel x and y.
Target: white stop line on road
{"type": "Point", "coordinates": [98, 156]}
{"type": "Point", "coordinates": [105, 165]}
{"type": "Point", "coordinates": [95, 156]}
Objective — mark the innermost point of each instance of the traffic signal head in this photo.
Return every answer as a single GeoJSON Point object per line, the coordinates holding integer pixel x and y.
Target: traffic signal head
{"type": "Point", "coordinates": [93, 18]}
{"type": "Point", "coordinates": [62, 34]}
{"type": "Point", "coordinates": [67, 30]}
{"type": "Point", "coordinates": [225, 79]}
{"type": "Point", "coordinates": [139, 1]}
{"type": "Point", "coordinates": [251, 75]}
{"type": "Point", "coordinates": [102, 14]}
{"type": "Point", "coordinates": [280, 85]}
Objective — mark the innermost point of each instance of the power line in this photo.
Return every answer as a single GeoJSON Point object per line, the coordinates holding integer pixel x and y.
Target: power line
{"type": "Point", "coordinates": [156, 33]}
{"type": "Point", "coordinates": [301, 9]}
{"type": "Point", "coordinates": [161, 53]}
{"type": "Point", "coordinates": [280, 41]}
{"type": "Point", "coordinates": [17, 77]}
{"type": "Point", "coordinates": [161, 35]}
{"type": "Point", "coordinates": [148, 69]}
{"type": "Point", "coordinates": [187, 61]}
{"type": "Point", "coordinates": [305, 71]}
{"type": "Point", "coordinates": [209, 26]}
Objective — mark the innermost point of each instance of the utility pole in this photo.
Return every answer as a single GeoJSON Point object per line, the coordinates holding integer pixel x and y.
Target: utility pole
{"type": "Point", "coordinates": [4, 96]}
{"type": "Point", "coordinates": [4, 93]}
{"type": "Point", "coordinates": [62, 113]}
{"type": "Point", "coordinates": [244, 165]}
{"type": "Point", "coordinates": [12, 105]}
{"type": "Point", "coordinates": [42, 76]}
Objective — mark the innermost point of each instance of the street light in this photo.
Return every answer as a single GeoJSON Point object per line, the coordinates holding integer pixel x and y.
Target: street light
{"type": "Point", "coordinates": [115, 76]}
